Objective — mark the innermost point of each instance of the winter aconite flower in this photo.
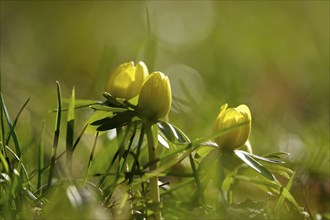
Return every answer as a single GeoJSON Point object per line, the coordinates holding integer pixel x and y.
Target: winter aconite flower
{"type": "Point", "coordinates": [126, 80]}
{"type": "Point", "coordinates": [229, 118]}
{"type": "Point", "coordinates": [155, 97]}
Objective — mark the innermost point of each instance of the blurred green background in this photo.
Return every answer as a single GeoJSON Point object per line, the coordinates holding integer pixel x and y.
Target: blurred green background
{"type": "Point", "coordinates": [271, 55]}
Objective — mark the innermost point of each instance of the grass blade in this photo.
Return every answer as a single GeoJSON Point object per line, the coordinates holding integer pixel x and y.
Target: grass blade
{"type": "Point", "coordinates": [3, 111]}
{"type": "Point", "coordinates": [2, 107]}
{"type": "Point", "coordinates": [19, 162]}
{"type": "Point", "coordinates": [41, 162]}
{"type": "Point", "coordinates": [106, 108]}
{"type": "Point", "coordinates": [151, 46]}
{"type": "Point", "coordinates": [286, 195]}
{"type": "Point", "coordinates": [4, 162]}
{"type": "Point", "coordinates": [79, 137]}
{"type": "Point", "coordinates": [70, 131]}
{"type": "Point", "coordinates": [2, 124]}
{"type": "Point", "coordinates": [62, 153]}
{"type": "Point", "coordinates": [91, 157]}
{"type": "Point", "coordinates": [56, 135]}
{"type": "Point", "coordinates": [12, 129]}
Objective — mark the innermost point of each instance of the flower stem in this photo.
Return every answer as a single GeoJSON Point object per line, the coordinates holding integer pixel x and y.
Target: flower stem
{"type": "Point", "coordinates": [154, 190]}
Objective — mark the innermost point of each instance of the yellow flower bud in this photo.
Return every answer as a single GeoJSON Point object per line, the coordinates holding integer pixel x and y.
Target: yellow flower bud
{"type": "Point", "coordinates": [230, 117]}
{"type": "Point", "coordinates": [155, 97]}
{"type": "Point", "coordinates": [126, 80]}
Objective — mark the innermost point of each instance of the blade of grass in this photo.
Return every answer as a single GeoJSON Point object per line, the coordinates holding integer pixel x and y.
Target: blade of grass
{"type": "Point", "coordinates": [79, 137]}
{"type": "Point", "coordinates": [41, 161]}
{"type": "Point", "coordinates": [3, 131]}
{"type": "Point", "coordinates": [4, 162]}
{"type": "Point", "coordinates": [19, 160]}
{"type": "Point", "coordinates": [12, 128]}
{"type": "Point", "coordinates": [126, 152]}
{"type": "Point", "coordinates": [183, 152]}
{"type": "Point", "coordinates": [107, 108]}
{"type": "Point", "coordinates": [272, 184]}
{"type": "Point", "coordinates": [136, 165]}
{"type": "Point", "coordinates": [282, 196]}
{"type": "Point", "coordinates": [150, 50]}
{"type": "Point", "coordinates": [2, 124]}
{"type": "Point", "coordinates": [70, 131]}
{"type": "Point", "coordinates": [56, 135]}
{"type": "Point", "coordinates": [91, 157]}
{"type": "Point", "coordinates": [80, 106]}
{"type": "Point", "coordinates": [121, 139]}
{"type": "Point", "coordinates": [61, 154]}
{"type": "Point", "coordinates": [123, 154]}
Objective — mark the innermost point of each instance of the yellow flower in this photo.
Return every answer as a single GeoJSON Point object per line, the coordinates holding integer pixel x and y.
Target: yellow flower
{"type": "Point", "coordinates": [155, 97]}
{"type": "Point", "coordinates": [230, 117]}
{"type": "Point", "coordinates": [126, 80]}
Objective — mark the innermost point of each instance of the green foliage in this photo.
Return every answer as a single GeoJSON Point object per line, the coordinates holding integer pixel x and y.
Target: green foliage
{"type": "Point", "coordinates": [272, 56]}
{"type": "Point", "coordinates": [175, 166]}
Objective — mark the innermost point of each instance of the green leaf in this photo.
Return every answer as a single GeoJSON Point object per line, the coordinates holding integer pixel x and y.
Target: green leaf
{"type": "Point", "coordinates": [4, 162]}
{"type": "Point", "coordinates": [163, 141]}
{"type": "Point", "coordinates": [79, 104]}
{"type": "Point", "coordinates": [247, 209]}
{"type": "Point", "coordinates": [13, 125]}
{"type": "Point", "coordinates": [227, 183]}
{"type": "Point", "coordinates": [111, 100]}
{"type": "Point", "coordinates": [117, 120]}
{"type": "Point", "coordinates": [209, 168]}
{"type": "Point", "coordinates": [98, 115]}
{"type": "Point", "coordinates": [19, 162]}
{"type": "Point", "coordinates": [276, 161]}
{"type": "Point", "coordinates": [265, 182]}
{"type": "Point", "coordinates": [79, 137]}
{"type": "Point", "coordinates": [166, 130]}
{"type": "Point", "coordinates": [95, 116]}
{"type": "Point", "coordinates": [70, 130]}
{"type": "Point", "coordinates": [41, 158]}
{"type": "Point", "coordinates": [128, 150]}
{"type": "Point", "coordinates": [71, 105]}
{"type": "Point", "coordinates": [276, 155]}
{"type": "Point", "coordinates": [283, 195]}
{"type": "Point", "coordinates": [122, 138]}
{"type": "Point", "coordinates": [254, 164]}
{"type": "Point", "coordinates": [91, 156]}
{"type": "Point", "coordinates": [177, 186]}
{"type": "Point", "coordinates": [203, 150]}
{"type": "Point", "coordinates": [101, 107]}
{"type": "Point", "coordinates": [150, 45]}
{"type": "Point", "coordinates": [173, 133]}
{"type": "Point", "coordinates": [278, 168]}
{"type": "Point", "coordinates": [56, 135]}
